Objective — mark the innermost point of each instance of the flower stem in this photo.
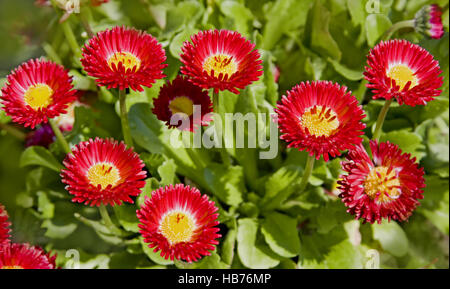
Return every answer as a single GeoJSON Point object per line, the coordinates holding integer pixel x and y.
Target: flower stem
{"type": "Point", "coordinates": [124, 118]}
{"type": "Point", "coordinates": [223, 151]}
{"type": "Point", "coordinates": [13, 131]}
{"type": "Point", "coordinates": [397, 26]}
{"type": "Point", "coordinates": [380, 120]}
{"type": "Point", "coordinates": [306, 173]}
{"type": "Point", "coordinates": [85, 22]}
{"type": "Point", "coordinates": [71, 39]}
{"type": "Point", "coordinates": [107, 220]}
{"type": "Point", "coordinates": [59, 136]}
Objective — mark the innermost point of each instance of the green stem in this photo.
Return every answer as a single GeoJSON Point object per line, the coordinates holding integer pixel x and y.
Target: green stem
{"type": "Point", "coordinates": [306, 173]}
{"type": "Point", "coordinates": [85, 22]}
{"type": "Point", "coordinates": [223, 151]}
{"type": "Point", "coordinates": [13, 131]}
{"type": "Point", "coordinates": [71, 39]}
{"type": "Point", "coordinates": [108, 222]}
{"type": "Point", "coordinates": [59, 136]}
{"type": "Point", "coordinates": [397, 26]}
{"type": "Point", "coordinates": [380, 120]}
{"type": "Point", "coordinates": [124, 118]}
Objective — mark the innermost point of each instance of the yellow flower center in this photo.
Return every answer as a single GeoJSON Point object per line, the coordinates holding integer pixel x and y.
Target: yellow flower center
{"type": "Point", "coordinates": [382, 185]}
{"type": "Point", "coordinates": [319, 121]}
{"type": "Point", "coordinates": [177, 227]}
{"type": "Point", "coordinates": [38, 96]}
{"type": "Point", "coordinates": [402, 74]}
{"type": "Point", "coordinates": [103, 174]}
{"type": "Point", "coordinates": [128, 60]}
{"type": "Point", "coordinates": [182, 104]}
{"type": "Point", "coordinates": [220, 63]}
{"type": "Point", "coordinates": [12, 267]}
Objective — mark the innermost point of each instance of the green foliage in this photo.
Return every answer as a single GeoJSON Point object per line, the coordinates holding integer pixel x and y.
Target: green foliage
{"type": "Point", "coordinates": [265, 221]}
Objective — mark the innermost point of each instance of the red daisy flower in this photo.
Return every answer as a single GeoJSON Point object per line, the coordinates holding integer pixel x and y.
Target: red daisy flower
{"type": "Point", "coordinates": [124, 58]}
{"type": "Point", "coordinates": [36, 91]}
{"type": "Point", "coordinates": [24, 256]}
{"type": "Point", "coordinates": [4, 226]}
{"type": "Point", "coordinates": [103, 172]}
{"type": "Point", "coordinates": [221, 59]}
{"type": "Point", "coordinates": [180, 222]}
{"type": "Point", "coordinates": [403, 70]}
{"type": "Point", "coordinates": [181, 96]}
{"type": "Point", "coordinates": [428, 21]}
{"type": "Point", "coordinates": [321, 118]}
{"type": "Point", "coordinates": [388, 186]}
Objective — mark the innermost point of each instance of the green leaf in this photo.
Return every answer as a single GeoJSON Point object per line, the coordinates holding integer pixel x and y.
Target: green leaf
{"type": "Point", "coordinates": [240, 14]}
{"type": "Point", "coordinates": [154, 256]}
{"type": "Point", "coordinates": [348, 73]}
{"type": "Point", "coordinates": [376, 26]}
{"type": "Point", "coordinates": [391, 237]}
{"type": "Point", "coordinates": [280, 233]}
{"type": "Point", "coordinates": [37, 155]}
{"type": "Point", "coordinates": [229, 246]}
{"type": "Point", "coordinates": [251, 253]}
{"type": "Point", "coordinates": [227, 183]}
{"type": "Point", "coordinates": [58, 231]}
{"type": "Point", "coordinates": [126, 215]}
{"type": "Point", "coordinates": [317, 34]}
{"type": "Point", "coordinates": [409, 142]}
{"type": "Point", "coordinates": [167, 172]}
{"type": "Point", "coordinates": [280, 186]}
{"type": "Point", "coordinates": [45, 206]}
{"type": "Point", "coordinates": [179, 39]}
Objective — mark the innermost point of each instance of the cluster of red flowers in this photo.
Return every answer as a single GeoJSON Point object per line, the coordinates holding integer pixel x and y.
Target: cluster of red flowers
{"type": "Point", "coordinates": [321, 117]}
{"type": "Point", "coordinates": [324, 119]}
{"type": "Point", "coordinates": [20, 256]}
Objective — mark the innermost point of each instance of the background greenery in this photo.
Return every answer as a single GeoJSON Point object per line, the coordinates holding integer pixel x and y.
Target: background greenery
{"type": "Point", "coordinates": [263, 222]}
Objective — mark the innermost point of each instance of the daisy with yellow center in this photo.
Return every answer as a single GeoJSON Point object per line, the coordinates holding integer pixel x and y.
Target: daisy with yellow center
{"type": "Point", "coordinates": [100, 172]}
{"type": "Point", "coordinates": [221, 59]}
{"type": "Point", "coordinates": [321, 118]}
{"type": "Point", "coordinates": [386, 186]}
{"type": "Point", "coordinates": [179, 222]}
{"type": "Point", "coordinates": [37, 91]}
{"type": "Point", "coordinates": [124, 58]}
{"type": "Point", "coordinates": [178, 99]}
{"type": "Point", "coordinates": [404, 71]}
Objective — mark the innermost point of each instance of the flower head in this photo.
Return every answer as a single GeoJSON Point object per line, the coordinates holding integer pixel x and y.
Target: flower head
{"type": "Point", "coordinates": [124, 58]}
{"type": "Point", "coordinates": [180, 222]}
{"type": "Point", "coordinates": [428, 21]}
{"type": "Point", "coordinates": [103, 172]}
{"type": "Point", "coordinates": [403, 70]}
{"type": "Point", "coordinates": [36, 91]}
{"type": "Point", "coordinates": [181, 96]}
{"type": "Point", "coordinates": [321, 118]}
{"type": "Point", "coordinates": [221, 59]}
{"type": "Point", "coordinates": [386, 186]}
{"type": "Point", "coordinates": [24, 256]}
{"type": "Point", "coordinates": [4, 226]}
